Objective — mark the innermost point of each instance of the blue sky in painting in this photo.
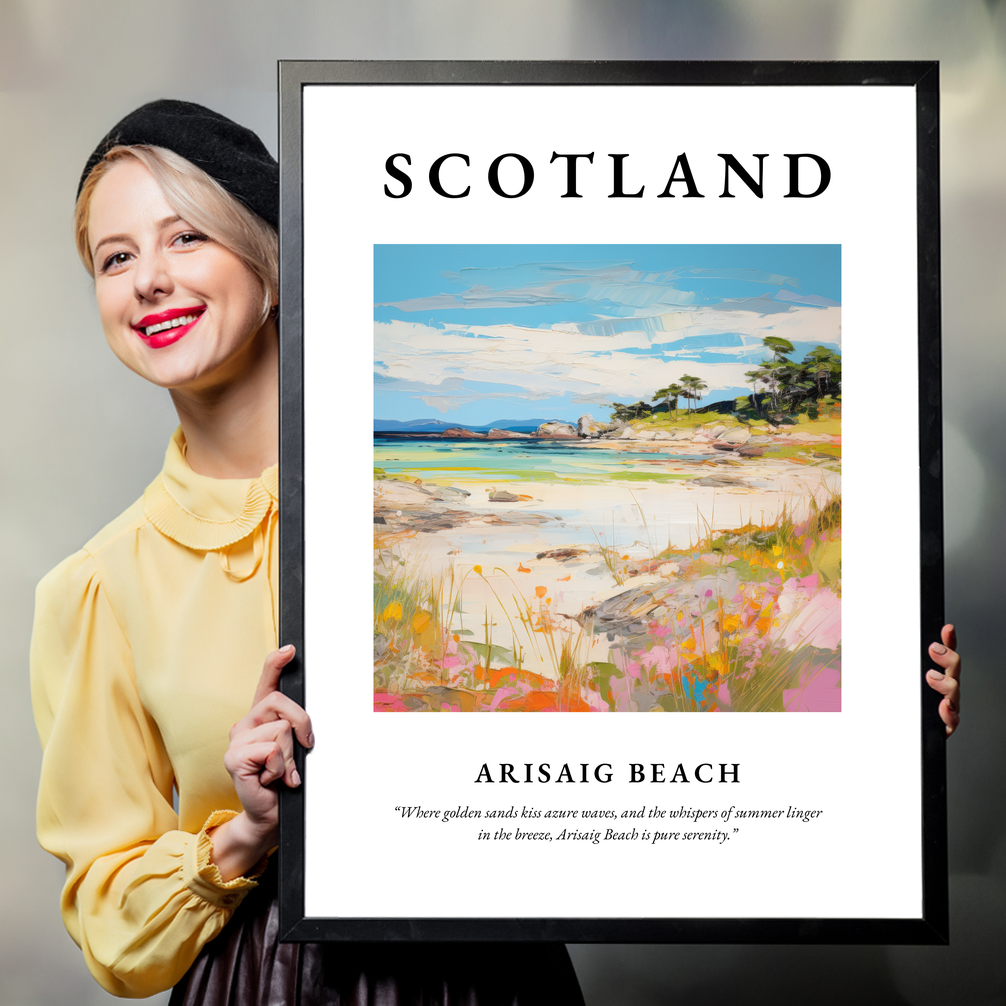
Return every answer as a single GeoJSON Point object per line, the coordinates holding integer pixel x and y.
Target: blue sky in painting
{"type": "Point", "coordinates": [583, 325]}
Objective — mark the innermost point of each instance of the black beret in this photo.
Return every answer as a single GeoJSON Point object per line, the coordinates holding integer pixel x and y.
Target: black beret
{"type": "Point", "coordinates": [230, 154]}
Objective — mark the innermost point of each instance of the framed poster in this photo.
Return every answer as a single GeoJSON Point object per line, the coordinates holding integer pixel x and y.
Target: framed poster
{"type": "Point", "coordinates": [569, 338]}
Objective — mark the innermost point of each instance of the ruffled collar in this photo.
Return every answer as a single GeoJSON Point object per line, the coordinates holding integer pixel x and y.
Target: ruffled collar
{"type": "Point", "coordinates": [203, 513]}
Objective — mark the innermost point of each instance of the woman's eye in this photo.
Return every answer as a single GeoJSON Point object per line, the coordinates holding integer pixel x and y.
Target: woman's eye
{"type": "Point", "coordinates": [190, 238]}
{"type": "Point", "coordinates": [114, 261]}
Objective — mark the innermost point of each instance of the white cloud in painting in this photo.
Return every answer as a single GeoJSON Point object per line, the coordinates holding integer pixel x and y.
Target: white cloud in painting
{"type": "Point", "coordinates": [449, 368]}
{"type": "Point", "coordinates": [757, 319]}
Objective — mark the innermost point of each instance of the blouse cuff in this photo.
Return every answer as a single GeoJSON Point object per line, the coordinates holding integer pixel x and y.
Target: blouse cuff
{"type": "Point", "coordinates": [202, 876]}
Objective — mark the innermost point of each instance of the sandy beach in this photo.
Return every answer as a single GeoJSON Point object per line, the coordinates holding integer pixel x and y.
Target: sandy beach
{"type": "Point", "coordinates": [568, 546]}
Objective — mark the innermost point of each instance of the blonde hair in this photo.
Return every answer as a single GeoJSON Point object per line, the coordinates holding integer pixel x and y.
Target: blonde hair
{"type": "Point", "coordinates": [199, 200]}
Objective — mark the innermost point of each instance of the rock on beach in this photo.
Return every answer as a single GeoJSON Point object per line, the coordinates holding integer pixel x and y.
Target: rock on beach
{"type": "Point", "coordinates": [651, 433]}
{"type": "Point", "coordinates": [554, 430]}
{"type": "Point", "coordinates": [720, 482]}
{"type": "Point", "coordinates": [507, 435]}
{"type": "Point", "coordinates": [738, 435]}
{"type": "Point", "coordinates": [408, 506]}
{"type": "Point", "coordinates": [459, 433]}
{"type": "Point", "coordinates": [588, 427]}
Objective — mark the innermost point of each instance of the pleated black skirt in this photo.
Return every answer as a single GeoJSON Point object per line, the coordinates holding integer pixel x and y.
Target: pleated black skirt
{"type": "Point", "coordinates": [246, 965]}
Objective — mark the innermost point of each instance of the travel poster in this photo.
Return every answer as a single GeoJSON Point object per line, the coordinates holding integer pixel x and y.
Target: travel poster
{"type": "Point", "coordinates": [609, 476]}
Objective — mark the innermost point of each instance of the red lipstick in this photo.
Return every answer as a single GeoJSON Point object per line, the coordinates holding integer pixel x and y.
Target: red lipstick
{"type": "Point", "coordinates": [166, 327]}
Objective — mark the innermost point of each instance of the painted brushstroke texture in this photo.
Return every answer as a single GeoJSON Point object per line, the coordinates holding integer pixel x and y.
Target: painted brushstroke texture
{"type": "Point", "coordinates": [451, 368]}
{"type": "Point", "coordinates": [675, 561]}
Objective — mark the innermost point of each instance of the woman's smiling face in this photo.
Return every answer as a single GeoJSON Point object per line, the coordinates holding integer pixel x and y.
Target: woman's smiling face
{"type": "Point", "coordinates": [177, 308]}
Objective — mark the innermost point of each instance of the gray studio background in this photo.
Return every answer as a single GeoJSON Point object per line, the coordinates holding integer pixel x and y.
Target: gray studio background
{"type": "Point", "coordinates": [81, 437]}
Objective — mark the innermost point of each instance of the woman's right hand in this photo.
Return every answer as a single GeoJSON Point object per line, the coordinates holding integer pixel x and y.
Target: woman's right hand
{"type": "Point", "coordinates": [260, 753]}
{"type": "Point", "coordinates": [948, 681]}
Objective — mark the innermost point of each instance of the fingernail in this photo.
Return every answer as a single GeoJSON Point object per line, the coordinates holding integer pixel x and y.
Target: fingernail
{"type": "Point", "coordinates": [310, 740]}
{"type": "Point", "coordinates": [938, 648]}
{"type": "Point", "coordinates": [936, 676]}
{"type": "Point", "coordinates": [295, 777]}
{"type": "Point", "coordinates": [287, 649]}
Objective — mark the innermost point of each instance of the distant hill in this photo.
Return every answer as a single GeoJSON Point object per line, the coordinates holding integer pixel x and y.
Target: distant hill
{"type": "Point", "coordinates": [720, 408]}
{"type": "Point", "coordinates": [436, 426]}
{"type": "Point", "coordinates": [521, 425]}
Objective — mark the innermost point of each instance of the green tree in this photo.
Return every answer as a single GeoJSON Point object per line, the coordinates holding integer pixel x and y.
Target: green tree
{"type": "Point", "coordinates": [694, 386]}
{"type": "Point", "coordinates": [744, 408]}
{"type": "Point", "coordinates": [625, 413]}
{"type": "Point", "coordinates": [793, 387]}
{"type": "Point", "coordinates": [670, 395]}
{"type": "Point", "coordinates": [779, 348]}
{"type": "Point", "coordinates": [763, 382]}
{"type": "Point", "coordinates": [825, 367]}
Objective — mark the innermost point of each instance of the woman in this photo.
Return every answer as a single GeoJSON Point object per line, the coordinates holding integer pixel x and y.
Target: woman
{"type": "Point", "coordinates": [148, 643]}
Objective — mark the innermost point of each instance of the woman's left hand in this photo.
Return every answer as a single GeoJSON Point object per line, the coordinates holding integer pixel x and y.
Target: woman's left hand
{"type": "Point", "coordinates": [948, 681]}
{"type": "Point", "coordinates": [260, 754]}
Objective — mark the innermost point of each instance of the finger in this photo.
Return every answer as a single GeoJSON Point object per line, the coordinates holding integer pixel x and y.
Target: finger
{"type": "Point", "coordinates": [280, 733]}
{"type": "Point", "coordinates": [276, 706]}
{"type": "Point", "coordinates": [947, 686]}
{"type": "Point", "coordinates": [274, 766]}
{"type": "Point", "coordinates": [949, 708]}
{"type": "Point", "coordinates": [271, 670]}
{"type": "Point", "coordinates": [948, 659]}
{"type": "Point", "coordinates": [260, 760]}
{"type": "Point", "coordinates": [949, 636]}
{"type": "Point", "coordinates": [950, 716]}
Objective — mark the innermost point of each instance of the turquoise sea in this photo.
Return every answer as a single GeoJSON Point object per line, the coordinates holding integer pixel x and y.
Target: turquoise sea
{"type": "Point", "coordinates": [439, 460]}
{"type": "Point", "coordinates": [644, 495]}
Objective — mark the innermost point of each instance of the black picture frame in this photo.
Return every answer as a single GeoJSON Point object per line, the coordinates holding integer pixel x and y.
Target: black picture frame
{"type": "Point", "coordinates": [932, 925]}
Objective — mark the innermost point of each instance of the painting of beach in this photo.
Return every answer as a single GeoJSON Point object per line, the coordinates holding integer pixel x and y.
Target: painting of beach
{"type": "Point", "coordinates": [607, 478]}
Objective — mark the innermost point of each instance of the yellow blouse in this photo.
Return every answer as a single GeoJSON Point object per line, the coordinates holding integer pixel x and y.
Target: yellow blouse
{"type": "Point", "coordinates": [147, 647]}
